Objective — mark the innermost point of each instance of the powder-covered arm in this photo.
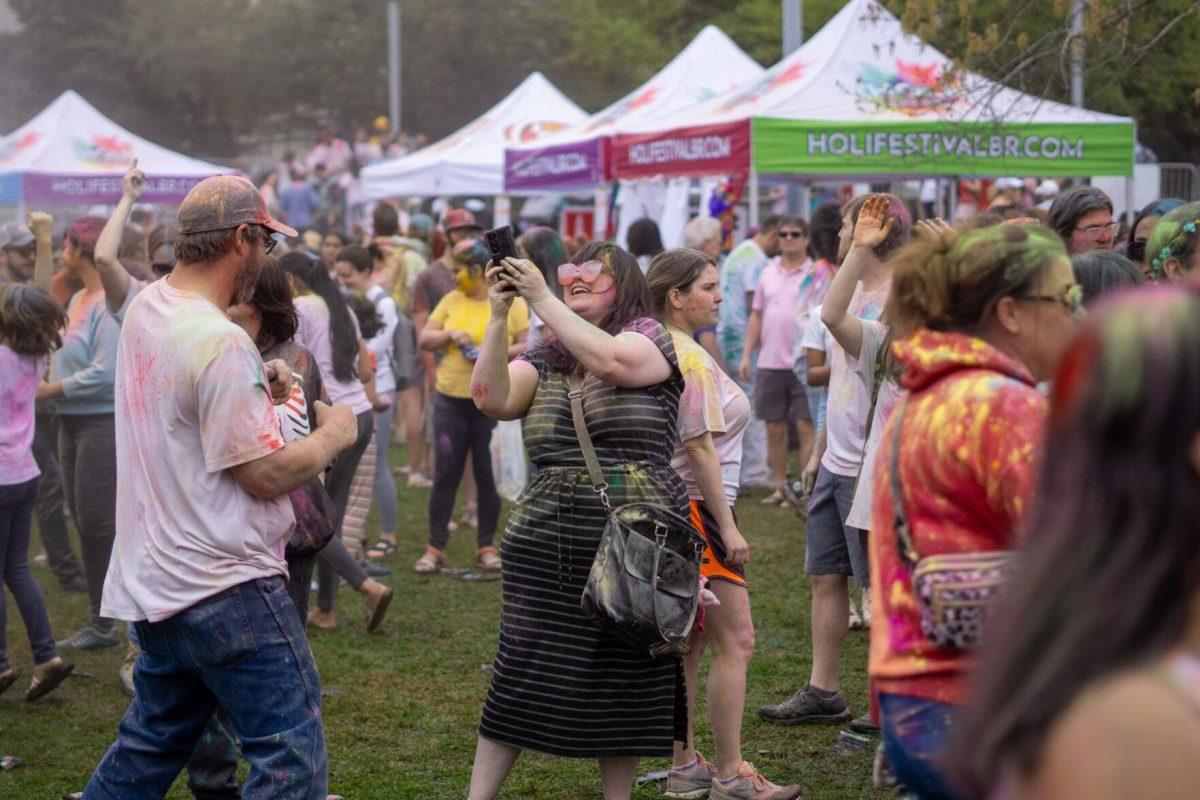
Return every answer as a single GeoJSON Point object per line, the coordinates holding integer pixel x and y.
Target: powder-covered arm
{"type": "Point", "coordinates": [113, 277]}
{"type": "Point", "coordinates": [501, 389]}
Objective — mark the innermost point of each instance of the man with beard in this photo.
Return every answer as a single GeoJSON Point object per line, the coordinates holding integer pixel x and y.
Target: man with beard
{"type": "Point", "coordinates": [203, 516]}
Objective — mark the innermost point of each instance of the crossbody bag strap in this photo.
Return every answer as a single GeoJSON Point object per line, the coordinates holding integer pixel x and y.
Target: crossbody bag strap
{"type": "Point", "coordinates": [575, 395]}
{"type": "Point", "coordinates": [904, 541]}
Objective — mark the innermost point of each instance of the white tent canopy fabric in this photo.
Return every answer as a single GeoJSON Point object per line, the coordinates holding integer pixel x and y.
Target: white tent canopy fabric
{"type": "Point", "coordinates": [710, 65]}
{"type": "Point", "coordinates": [72, 154]}
{"type": "Point", "coordinates": [863, 96]}
{"type": "Point", "coordinates": [471, 160]}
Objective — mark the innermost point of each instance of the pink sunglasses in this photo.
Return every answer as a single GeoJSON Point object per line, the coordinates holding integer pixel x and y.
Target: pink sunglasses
{"type": "Point", "coordinates": [587, 272]}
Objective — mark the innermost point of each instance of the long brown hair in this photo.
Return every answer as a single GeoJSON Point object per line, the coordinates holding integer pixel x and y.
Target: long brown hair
{"type": "Point", "coordinates": [30, 320]}
{"type": "Point", "coordinates": [674, 269]}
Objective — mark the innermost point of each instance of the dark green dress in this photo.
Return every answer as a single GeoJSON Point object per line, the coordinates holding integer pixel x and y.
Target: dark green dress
{"type": "Point", "coordinates": [560, 684]}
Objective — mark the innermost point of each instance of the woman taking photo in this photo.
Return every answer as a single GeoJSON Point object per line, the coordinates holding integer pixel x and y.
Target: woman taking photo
{"type": "Point", "coordinates": [82, 373]}
{"type": "Point", "coordinates": [977, 324]}
{"type": "Point", "coordinates": [329, 330]}
{"type": "Point", "coordinates": [713, 415]}
{"type": "Point", "coordinates": [456, 328]}
{"type": "Point", "coordinates": [560, 684]}
{"type": "Point", "coordinates": [1091, 684]}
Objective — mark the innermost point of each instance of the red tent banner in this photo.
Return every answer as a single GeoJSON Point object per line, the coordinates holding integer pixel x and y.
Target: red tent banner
{"type": "Point", "coordinates": [701, 150]}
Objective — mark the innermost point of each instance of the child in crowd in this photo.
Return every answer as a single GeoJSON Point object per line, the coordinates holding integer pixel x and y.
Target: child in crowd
{"type": "Point", "coordinates": [30, 321]}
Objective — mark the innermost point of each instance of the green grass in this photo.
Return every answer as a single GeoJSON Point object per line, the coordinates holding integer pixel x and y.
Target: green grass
{"type": "Point", "coordinates": [403, 704]}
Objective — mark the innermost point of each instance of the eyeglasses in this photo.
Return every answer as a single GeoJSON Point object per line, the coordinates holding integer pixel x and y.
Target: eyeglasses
{"type": "Point", "coordinates": [1136, 250]}
{"type": "Point", "coordinates": [160, 268]}
{"type": "Point", "coordinates": [587, 272]}
{"type": "Point", "coordinates": [792, 235]}
{"type": "Point", "coordinates": [1095, 231]}
{"type": "Point", "coordinates": [268, 239]}
{"type": "Point", "coordinates": [1071, 298]}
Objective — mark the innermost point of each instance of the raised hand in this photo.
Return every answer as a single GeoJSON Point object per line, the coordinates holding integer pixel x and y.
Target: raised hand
{"type": "Point", "coordinates": [936, 231]}
{"type": "Point", "coordinates": [500, 291]}
{"type": "Point", "coordinates": [135, 182]}
{"type": "Point", "coordinates": [40, 223]}
{"type": "Point", "coordinates": [873, 224]}
{"type": "Point", "coordinates": [527, 279]}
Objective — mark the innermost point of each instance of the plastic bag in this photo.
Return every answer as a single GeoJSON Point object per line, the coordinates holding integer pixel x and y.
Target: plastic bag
{"type": "Point", "coordinates": [508, 459]}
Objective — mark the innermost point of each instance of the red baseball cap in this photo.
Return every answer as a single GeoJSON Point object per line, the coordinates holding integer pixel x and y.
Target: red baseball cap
{"type": "Point", "coordinates": [458, 218]}
{"type": "Point", "coordinates": [223, 202]}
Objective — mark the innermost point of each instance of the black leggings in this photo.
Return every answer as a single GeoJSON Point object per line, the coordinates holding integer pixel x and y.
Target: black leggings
{"type": "Point", "coordinates": [458, 428]}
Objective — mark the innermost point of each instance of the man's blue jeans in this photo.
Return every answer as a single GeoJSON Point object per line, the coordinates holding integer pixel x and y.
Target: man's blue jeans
{"type": "Point", "coordinates": [916, 734]}
{"type": "Point", "coordinates": [245, 649]}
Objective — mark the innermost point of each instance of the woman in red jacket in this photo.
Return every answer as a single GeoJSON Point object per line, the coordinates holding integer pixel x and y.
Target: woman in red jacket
{"type": "Point", "coordinates": [978, 322]}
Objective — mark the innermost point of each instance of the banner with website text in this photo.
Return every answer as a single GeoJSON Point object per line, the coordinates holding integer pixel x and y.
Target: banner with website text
{"type": "Point", "coordinates": [783, 146]}
{"type": "Point", "coordinates": [721, 149]}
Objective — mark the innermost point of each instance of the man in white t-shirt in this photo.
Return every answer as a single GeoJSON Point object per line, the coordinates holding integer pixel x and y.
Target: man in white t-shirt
{"type": "Point", "coordinates": [203, 516]}
{"type": "Point", "coordinates": [835, 550]}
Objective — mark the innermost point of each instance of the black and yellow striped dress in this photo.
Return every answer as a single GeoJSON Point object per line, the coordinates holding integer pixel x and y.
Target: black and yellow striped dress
{"type": "Point", "coordinates": [561, 685]}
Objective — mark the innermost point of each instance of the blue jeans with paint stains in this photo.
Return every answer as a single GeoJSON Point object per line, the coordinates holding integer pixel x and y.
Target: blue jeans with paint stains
{"type": "Point", "coordinates": [245, 649]}
{"type": "Point", "coordinates": [916, 733]}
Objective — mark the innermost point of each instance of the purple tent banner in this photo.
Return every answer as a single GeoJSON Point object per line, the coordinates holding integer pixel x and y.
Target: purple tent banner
{"type": "Point", "coordinates": [576, 165]}
{"type": "Point", "coordinates": [44, 189]}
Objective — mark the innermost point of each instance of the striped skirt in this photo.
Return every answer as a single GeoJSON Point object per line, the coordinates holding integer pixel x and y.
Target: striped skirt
{"type": "Point", "coordinates": [561, 685]}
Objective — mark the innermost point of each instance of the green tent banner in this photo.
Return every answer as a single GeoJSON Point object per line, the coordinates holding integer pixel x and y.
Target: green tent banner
{"type": "Point", "coordinates": [785, 146]}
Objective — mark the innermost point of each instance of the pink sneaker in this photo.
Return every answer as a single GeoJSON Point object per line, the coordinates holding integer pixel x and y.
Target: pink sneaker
{"type": "Point", "coordinates": [751, 785]}
{"type": "Point", "coordinates": [694, 782]}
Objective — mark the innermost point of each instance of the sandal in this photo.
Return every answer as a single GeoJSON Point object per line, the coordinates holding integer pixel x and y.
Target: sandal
{"type": "Point", "coordinates": [9, 679]}
{"type": "Point", "coordinates": [381, 549]}
{"type": "Point", "coordinates": [774, 499]}
{"type": "Point", "coordinates": [430, 562]}
{"type": "Point", "coordinates": [40, 687]}
{"type": "Point", "coordinates": [487, 559]}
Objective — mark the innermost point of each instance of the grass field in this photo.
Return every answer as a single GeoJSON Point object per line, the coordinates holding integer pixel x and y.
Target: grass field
{"type": "Point", "coordinates": [402, 705]}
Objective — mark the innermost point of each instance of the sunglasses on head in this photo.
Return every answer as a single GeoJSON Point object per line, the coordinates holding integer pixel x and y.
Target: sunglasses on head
{"type": "Point", "coordinates": [792, 234]}
{"type": "Point", "coordinates": [587, 272]}
{"type": "Point", "coordinates": [161, 268]}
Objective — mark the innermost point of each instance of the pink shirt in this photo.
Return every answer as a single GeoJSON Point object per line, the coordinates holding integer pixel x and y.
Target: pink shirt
{"type": "Point", "coordinates": [19, 376]}
{"type": "Point", "coordinates": [191, 402]}
{"type": "Point", "coordinates": [776, 298]}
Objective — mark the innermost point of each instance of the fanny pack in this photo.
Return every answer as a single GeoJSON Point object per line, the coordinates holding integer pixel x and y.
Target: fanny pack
{"type": "Point", "coordinates": [954, 591]}
{"type": "Point", "coordinates": [644, 584]}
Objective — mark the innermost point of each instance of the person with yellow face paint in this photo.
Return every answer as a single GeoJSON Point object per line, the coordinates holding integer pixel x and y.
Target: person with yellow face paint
{"type": "Point", "coordinates": [456, 328]}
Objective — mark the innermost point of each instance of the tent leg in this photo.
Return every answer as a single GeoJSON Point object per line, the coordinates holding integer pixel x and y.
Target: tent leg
{"type": "Point", "coordinates": [600, 212]}
{"type": "Point", "coordinates": [806, 202]}
{"type": "Point", "coordinates": [1130, 202]}
{"type": "Point", "coordinates": [503, 211]}
{"type": "Point", "coordinates": [752, 187]}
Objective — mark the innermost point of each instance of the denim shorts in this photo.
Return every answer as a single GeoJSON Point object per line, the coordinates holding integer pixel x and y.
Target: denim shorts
{"type": "Point", "coordinates": [833, 548]}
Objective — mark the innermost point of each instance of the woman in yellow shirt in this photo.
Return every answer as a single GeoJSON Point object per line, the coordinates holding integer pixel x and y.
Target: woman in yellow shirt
{"type": "Point", "coordinates": [455, 330]}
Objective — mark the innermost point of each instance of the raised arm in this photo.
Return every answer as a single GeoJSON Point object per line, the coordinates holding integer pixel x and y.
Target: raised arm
{"type": "Point", "coordinates": [872, 227]}
{"type": "Point", "coordinates": [501, 389]}
{"type": "Point", "coordinates": [113, 277]}
{"type": "Point", "coordinates": [628, 359]}
{"type": "Point", "coordinates": [42, 226]}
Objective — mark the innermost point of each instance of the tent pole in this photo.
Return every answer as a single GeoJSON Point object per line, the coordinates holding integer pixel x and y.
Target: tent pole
{"type": "Point", "coordinates": [502, 211]}
{"type": "Point", "coordinates": [600, 212]}
{"type": "Point", "coordinates": [806, 202]}
{"type": "Point", "coordinates": [752, 186]}
{"type": "Point", "coordinates": [1130, 200]}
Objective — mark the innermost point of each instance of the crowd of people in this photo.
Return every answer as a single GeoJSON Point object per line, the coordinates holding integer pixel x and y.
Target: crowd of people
{"type": "Point", "coordinates": [996, 450]}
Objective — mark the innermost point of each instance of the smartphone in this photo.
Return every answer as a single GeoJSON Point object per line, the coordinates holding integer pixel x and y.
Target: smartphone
{"type": "Point", "coordinates": [500, 243]}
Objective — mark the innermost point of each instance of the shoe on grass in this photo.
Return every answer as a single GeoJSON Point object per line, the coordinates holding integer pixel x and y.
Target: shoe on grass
{"type": "Point", "coordinates": [125, 676]}
{"type": "Point", "coordinates": [751, 785]}
{"type": "Point", "coordinates": [693, 782]}
{"type": "Point", "coordinates": [864, 724]}
{"type": "Point", "coordinates": [374, 570]}
{"type": "Point", "coordinates": [487, 559]}
{"type": "Point", "coordinates": [430, 562]}
{"type": "Point", "coordinates": [76, 585]}
{"type": "Point", "coordinates": [808, 705]}
{"type": "Point", "coordinates": [90, 638]}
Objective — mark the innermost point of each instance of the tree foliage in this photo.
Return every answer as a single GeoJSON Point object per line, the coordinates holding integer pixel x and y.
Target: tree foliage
{"type": "Point", "coordinates": [208, 77]}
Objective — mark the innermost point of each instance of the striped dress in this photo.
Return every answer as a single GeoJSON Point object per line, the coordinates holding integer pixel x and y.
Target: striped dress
{"type": "Point", "coordinates": [560, 684]}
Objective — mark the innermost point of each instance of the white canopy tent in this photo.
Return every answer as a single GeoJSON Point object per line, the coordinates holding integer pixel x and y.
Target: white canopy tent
{"type": "Point", "coordinates": [71, 154]}
{"type": "Point", "coordinates": [864, 98]}
{"type": "Point", "coordinates": [577, 157]}
{"type": "Point", "coordinates": [470, 161]}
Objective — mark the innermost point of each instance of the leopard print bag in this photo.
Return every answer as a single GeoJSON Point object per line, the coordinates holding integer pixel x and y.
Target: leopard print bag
{"type": "Point", "coordinates": [954, 591]}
